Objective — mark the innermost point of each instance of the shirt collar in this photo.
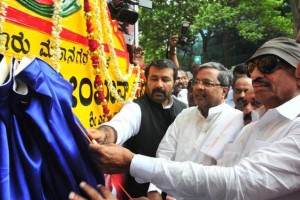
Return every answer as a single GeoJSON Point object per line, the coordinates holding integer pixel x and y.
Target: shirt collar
{"type": "Point", "coordinates": [170, 103]}
{"type": "Point", "coordinates": [217, 109]}
{"type": "Point", "coordinates": [289, 109]}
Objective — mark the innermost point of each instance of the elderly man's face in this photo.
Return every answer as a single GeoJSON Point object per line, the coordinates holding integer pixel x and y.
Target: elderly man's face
{"type": "Point", "coordinates": [275, 88]}
{"type": "Point", "coordinates": [208, 95]}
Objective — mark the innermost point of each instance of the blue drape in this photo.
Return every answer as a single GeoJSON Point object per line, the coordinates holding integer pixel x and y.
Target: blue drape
{"type": "Point", "coordinates": [44, 154]}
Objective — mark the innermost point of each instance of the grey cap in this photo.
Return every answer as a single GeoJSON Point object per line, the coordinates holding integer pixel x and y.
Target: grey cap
{"type": "Point", "coordinates": [285, 48]}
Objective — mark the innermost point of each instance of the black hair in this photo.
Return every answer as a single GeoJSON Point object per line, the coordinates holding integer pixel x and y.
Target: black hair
{"type": "Point", "coordinates": [160, 64]}
{"type": "Point", "coordinates": [240, 69]}
{"type": "Point", "coordinates": [237, 78]}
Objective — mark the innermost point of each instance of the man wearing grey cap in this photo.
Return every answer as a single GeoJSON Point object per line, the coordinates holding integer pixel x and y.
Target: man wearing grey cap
{"type": "Point", "coordinates": [264, 160]}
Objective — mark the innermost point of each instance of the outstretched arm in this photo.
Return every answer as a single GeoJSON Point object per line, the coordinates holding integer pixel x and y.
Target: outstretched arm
{"type": "Point", "coordinates": [120, 128]}
{"type": "Point", "coordinates": [268, 173]}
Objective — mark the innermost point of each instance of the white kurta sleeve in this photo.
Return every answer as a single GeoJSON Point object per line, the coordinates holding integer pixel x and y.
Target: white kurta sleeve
{"type": "Point", "coordinates": [268, 173]}
{"type": "Point", "coordinates": [127, 122]}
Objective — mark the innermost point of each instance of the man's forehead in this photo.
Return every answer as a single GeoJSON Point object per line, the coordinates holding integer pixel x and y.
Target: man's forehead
{"type": "Point", "coordinates": [160, 70]}
{"type": "Point", "coordinates": [164, 72]}
{"type": "Point", "coordinates": [179, 75]}
{"type": "Point", "coordinates": [208, 72]}
{"type": "Point", "coordinates": [244, 81]}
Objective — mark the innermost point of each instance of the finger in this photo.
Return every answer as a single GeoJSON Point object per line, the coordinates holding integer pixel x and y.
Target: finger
{"type": "Point", "coordinates": [90, 191]}
{"type": "Point", "coordinates": [97, 134]}
{"type": "Point", "coordinates": [74, 196]}
{"type": "Point", "coordinates": [106, 193]}
{"type": "Point", "coordinates": [97, 148]}
{"type": "Point", "coordinates": [92, 132]}
{"type": "Point", "coordinates": [101, 153]}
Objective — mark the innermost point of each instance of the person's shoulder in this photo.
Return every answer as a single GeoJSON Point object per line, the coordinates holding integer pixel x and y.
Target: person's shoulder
{"type": "Point", "coordinates": [233, 114]}
{"type": "Point", "coordinates": [179, 103]}
{"type": "Point", "coordinates": [190, 110]}
{"type": "Point", "coordinates": [141, 99]}
{"type": "Point", "coordinates": [183, 92]}
{"type": "Point", "coordinates": [187, 114]}
{"type": "Point", "coordinates": [228, 108]}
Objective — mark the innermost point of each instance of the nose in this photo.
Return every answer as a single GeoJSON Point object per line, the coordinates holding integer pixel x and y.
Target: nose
{"type": "Point", "coordinates": [256, 74]}
{"type": "Point", "coordinates": [159, 83]}
{"type": "Point", "coordinates": [242, 95]}
{"type": "Point", "coordinates": [199, 86]}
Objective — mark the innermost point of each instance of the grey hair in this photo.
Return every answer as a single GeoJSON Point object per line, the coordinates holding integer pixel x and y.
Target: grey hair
{"type": "Point", "coordinates": [225, 76]}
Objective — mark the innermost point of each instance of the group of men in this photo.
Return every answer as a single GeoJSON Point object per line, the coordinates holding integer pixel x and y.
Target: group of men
{"type": "Point", "coordinates": [206, 152]}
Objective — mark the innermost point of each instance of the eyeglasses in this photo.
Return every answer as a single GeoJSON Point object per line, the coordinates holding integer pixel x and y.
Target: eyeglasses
{"type": "Point", "coordinates": [204, 83]}
{"type": "Point", "coordinates": [266, 64]}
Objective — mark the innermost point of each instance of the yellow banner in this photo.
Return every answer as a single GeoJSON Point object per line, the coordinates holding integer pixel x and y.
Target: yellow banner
{"type": "Point", "coordinates": [28, 32]}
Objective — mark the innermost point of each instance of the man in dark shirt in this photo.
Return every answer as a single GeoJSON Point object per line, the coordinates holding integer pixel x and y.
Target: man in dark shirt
{"type": "Point", "coordinates": [141, 124]}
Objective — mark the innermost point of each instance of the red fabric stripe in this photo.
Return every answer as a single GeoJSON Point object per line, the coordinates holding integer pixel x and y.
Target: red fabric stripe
{"type": "Point", "coordinates": [24, 19]}
{"type": "Point", "coordinates": [45, 2]}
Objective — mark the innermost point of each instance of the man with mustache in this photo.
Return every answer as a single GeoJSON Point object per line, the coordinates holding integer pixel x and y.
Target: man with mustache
{"type": "Point", "coordinates": [180, 87]}
{"type": "Point", "coordinates": [141, 124]}
{"type": "Point", "coordinates": [199, 133]}
{"type": "Point", "coordinates": [264, 160]}
{"type": "Point", "coordinates": [238, 71]}
{"type": "Point", "coordinates": [250, 103]}
{"type": "Point", "coordinates": [241, 84]}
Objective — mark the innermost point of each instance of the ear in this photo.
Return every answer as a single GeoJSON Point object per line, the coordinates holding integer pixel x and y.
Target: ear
{"type": "Point", "coordinates": [297, 72]}
{"type": "Point", "coordinates": [225, 91]}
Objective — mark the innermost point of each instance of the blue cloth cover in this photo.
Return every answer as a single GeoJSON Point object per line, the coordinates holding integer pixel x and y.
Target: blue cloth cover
{"type": "Point", "coordinates": [44, 153]}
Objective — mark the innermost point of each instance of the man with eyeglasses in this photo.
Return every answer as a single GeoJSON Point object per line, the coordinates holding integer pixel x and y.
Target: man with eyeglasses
{"type": "Point", "coordinates": [200, 133]}
{"type": "Point", "coordinates": [264, 160]}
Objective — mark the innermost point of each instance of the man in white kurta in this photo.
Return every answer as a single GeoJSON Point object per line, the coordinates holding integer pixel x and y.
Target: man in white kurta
{"type": "Point", "coordinates": [200, 133]}
{"type": "Point", "coordinates": [264, 160]}
{"type": "Point", "coordinates": [270, 168]}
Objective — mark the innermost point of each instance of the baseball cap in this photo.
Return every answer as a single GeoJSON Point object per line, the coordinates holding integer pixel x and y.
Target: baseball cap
{"type": "Point", "coordinates": [285, 48]}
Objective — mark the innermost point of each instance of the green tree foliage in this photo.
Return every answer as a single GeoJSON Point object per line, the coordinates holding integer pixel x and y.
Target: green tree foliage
{"type": "Point", "coordinates": [156, 25]}
{"type": "Point", "coordinates": [253, 20]}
